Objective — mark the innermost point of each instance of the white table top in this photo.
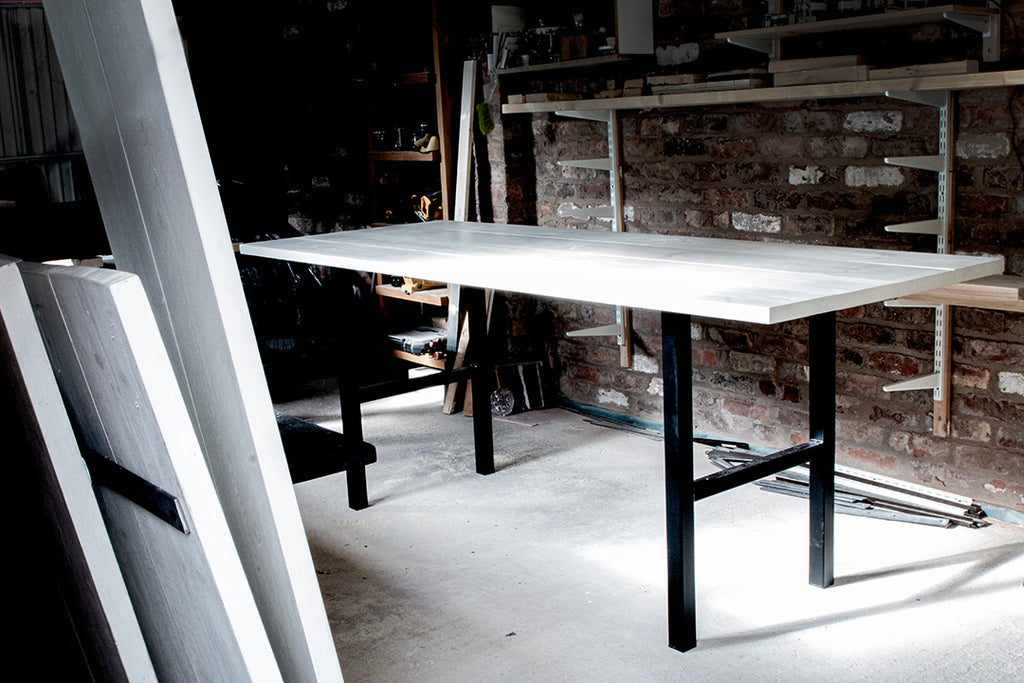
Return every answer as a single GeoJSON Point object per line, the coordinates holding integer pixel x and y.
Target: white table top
{"type": "Point", "coordinates": [759, 282]}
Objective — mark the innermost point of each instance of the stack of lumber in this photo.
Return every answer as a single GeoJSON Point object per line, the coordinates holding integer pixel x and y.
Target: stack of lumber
{"type": "Point", "coordinates": [844, 68]}
{"type": "Point", "coordinates": [725, 80]}
{"type": "Point", "coordinates": [869, 495]}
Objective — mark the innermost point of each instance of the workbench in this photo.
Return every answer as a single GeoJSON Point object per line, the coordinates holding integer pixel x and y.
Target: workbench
{"type": "Point", "coordinates": [746, 281]}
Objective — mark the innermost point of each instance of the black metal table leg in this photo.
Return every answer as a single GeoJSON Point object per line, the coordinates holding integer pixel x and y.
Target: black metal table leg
{"type": "Point", "coordinates": [475, 302]}
{"type": "Point", "coordinates": [679, 486]}
{"type": "Point", "coordinates": [352, 425]}
{"type": "Point", "coordinates": [822, 428]}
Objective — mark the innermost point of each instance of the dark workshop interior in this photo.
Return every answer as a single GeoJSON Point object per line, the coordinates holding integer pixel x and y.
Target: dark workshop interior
{"type": "Point", "coordinates": [893, 125]}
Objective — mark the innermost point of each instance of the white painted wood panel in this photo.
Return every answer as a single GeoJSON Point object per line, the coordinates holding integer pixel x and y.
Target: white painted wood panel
{"type": "Point", "coordinates": [130, 91]}
{"type": "Point", "coordinates": [190, 594]}
{"type": "Point", "coordinates": [80, 550]}
{"type": "Point", "coordinates": [752, 281]}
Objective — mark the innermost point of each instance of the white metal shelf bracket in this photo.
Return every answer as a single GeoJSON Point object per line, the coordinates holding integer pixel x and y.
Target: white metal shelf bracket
{"type": "Point", "coordinates": [989, 26]}
{"type": "Point", "coordinates": [942, 227]}
{"type": "Point", "coordinates": [932, 226]}
{"type": "Point", "coordinates": [922, 382]}
{"type": "Point", "coordinates": [769, 46]}
{"type": "Point", "coordinates": [612, 164]}
{"type": "Point", "coordinates": [932, 163]}
{"type": "Point", "coordinates": [599, 331]}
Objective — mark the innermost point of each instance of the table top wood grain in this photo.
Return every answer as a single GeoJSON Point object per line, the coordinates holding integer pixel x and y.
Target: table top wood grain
{"type": "Point", "coordinates": [750, 281]}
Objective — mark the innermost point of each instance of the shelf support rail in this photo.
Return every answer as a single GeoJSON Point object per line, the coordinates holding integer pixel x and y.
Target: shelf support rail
{"type": "Point", "coordinates": [612, 164]}
{"type": "Point", "coordinates": [937, 381]}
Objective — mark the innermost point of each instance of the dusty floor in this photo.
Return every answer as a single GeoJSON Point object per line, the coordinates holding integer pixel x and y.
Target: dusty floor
{"type": "Point", "coordinates": [552, 569]}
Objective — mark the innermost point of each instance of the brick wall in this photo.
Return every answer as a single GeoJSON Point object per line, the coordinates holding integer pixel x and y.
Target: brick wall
{"type": "Point", "coordinates": [808, 172]}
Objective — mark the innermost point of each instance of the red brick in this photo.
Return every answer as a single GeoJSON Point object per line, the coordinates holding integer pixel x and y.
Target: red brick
{"type": "Point", "coordinates": [986, 351]}
{"type": "Point", "coordinates": [748, 408]}
{"type": "Point", "coordinates": [786, 147]}
{"type": "Point", "coordinates": [706, 357]}
{"type": "Point", "coordinates": [894, 363]}
{"type": "Point", "coordinates": [971, 376]}
{"type": "Point", "coordinates": [837, 147]}
{"type": "Point", "coordinates": [861, 432]}
{"type": "Point", "coordinates": [724, 147]}
{"type": "Point", "coordinates": [858, 456]}
{"type": "Point", "coordinates": [971, 429]}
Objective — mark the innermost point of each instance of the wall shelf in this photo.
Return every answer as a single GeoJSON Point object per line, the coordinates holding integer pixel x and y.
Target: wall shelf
{"type": "Point", "coordinates": [432, 297]}
{"type": "Point", "coordinates": [584, 62]}
{"type": "Point", "coordinates": [996, 292]}
{"type": "Point", "coordinates": [426, 360]}
{"type": "Point", "coordinates": [817, 91]}
{"type": "Point", "coordinates": [404, 156]}
{"type": "Point", "coordinates": [984, 20]}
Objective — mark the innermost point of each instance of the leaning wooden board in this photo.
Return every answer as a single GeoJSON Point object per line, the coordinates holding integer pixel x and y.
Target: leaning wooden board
{"type": "Point", "coordinates": [190, 594]}
{"type": "Point", "coordinates": [51, 480]}
{"type": "Point", "coordinates": [128, 83]}
{"type": "Point", "coordinates": [751, 281]}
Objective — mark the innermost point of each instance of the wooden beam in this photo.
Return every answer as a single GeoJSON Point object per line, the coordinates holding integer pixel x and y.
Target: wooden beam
{"type": "Point", "coordinates": [129, 86]}
{"type": "Point", "coordinates": [996, 292]}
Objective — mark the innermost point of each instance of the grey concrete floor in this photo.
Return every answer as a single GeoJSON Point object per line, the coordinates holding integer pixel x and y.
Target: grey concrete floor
{"type": "Point", "coordinates": [553, 568]}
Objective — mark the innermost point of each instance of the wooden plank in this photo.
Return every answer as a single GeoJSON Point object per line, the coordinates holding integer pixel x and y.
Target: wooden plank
{"type": "Point", "coordinates": [966, 66]}
{"type": "Point", "coordinates": [784, 65]}
{"type": "Point", "coordinates": [428, 361]}
{"type": "Point", "coordinates": [996, 292]}
{"type": "Point", "coordinates": [188, 589]}
{"type": "Point", "coordinates": [434, 297]}
{"type": "Point", "coordinates": [57, 501]}
{"type": "Point", "coordinates": [869, 88]}
{"type": "Point", "coordinates": [564, 64]}
{"type": "Point", "coordinates": [674, 79]}
{"type": "Point", "coordinates": [128, 82]}
{"type": "Point", "coordinates": [399, 155]}
{"type": "Point", "coordinates": [834, 75]}
{"type": "Point", "coordinates": [866, 21]}
{"type": "Point", "coordinates": [443, 109]}
{"type": "Point", "coordinates": [452, 392]}
{"type": "Point", "coordinates": [551, 97]}
{"type": "Point", "coordinates": [464, 162]}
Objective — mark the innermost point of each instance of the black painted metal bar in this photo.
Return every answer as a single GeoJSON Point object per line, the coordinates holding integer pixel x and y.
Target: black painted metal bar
{"type": "Point", "coordinates": [822, 420]}
{"type": "Point", "coordinates": [372, 392]}
{"type": "Point", "coordinates": [475, 302]}
{"type": "Point", "coordinates": [679, 492]}
{"type": "Point", "coordinates": [108, 474]}
{"type": "Point", "coordinates": [755, 469]}
{"type": "Point", "coordinates": [352, 426]}
{"type": "Point", "coordinates": [355, 480]}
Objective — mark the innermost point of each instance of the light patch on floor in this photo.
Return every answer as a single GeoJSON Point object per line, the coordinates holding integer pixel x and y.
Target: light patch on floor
{"type": "Point", "coordinates": [553, 568]}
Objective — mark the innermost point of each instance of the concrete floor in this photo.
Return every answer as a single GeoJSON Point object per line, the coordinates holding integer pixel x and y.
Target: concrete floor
{"type": "Point", "coordinates": [553, 568]}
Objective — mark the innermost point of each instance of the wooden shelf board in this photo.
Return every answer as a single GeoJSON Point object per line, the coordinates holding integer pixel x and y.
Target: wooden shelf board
{"type": "Point", "coordinates": [997, 292]}
{"type": "Point", "coordinates": [879, 20]}
{"type": "Point", "coordinates": [418, 78]}
{"type": "Point", "coordinates": [567, 64]}
{"type": "Point", "coordinates": [433, 297]}
{"type": "Point", "coordinates": [426, 360]}
{"type": "Point", "coordinates": [993, 79]}
{"type": "Point", "coordinates": [405, 156]}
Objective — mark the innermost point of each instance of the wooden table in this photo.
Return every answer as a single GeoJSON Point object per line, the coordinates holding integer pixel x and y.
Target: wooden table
{"type": "Point", "coordinates": [756, 282]}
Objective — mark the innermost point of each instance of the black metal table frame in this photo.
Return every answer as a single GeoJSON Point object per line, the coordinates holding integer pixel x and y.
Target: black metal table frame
{"type": "Point", "coordinates": [480, 370]}
{"type": "Point", "coordinates": [681, 489]}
